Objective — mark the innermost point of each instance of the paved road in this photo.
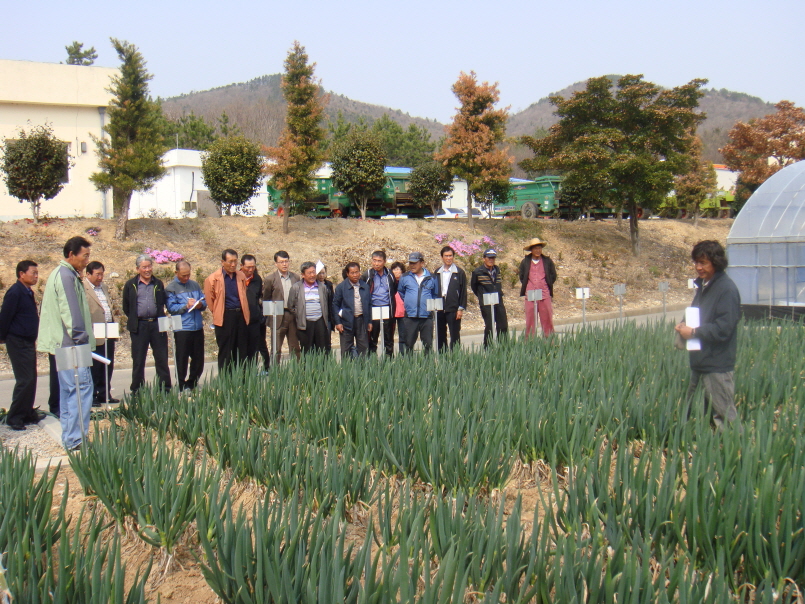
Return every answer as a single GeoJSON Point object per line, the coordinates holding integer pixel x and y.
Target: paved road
{"type": "Point", "coordinates": [122, 377]}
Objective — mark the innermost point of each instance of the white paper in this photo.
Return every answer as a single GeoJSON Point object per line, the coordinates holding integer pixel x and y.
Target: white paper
{"type": "Point", "coordinates": [109, 331]}
{"type": "Point", "coordinates": [101, 359]}
{"type": "Point", "coordinates": [694, 344]}
{"type": "Point", "coordinates": [692, 317]}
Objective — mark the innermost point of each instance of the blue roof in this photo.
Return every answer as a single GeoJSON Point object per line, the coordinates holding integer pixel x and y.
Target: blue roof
{"type": "Point", "coordinates": [519, 180]}
{"type": "Point", "coordinates": [397, 170]}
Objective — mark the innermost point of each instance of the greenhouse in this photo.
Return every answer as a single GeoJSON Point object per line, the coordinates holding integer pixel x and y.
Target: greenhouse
{"type": "Point", "coordinates": [766, 247]}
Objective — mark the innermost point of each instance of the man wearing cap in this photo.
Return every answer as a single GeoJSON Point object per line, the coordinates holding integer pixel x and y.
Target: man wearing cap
{"type": "Point", "coordinates": [486, 279]}
{"type": "Point", "coordinates": [416, 287]}
{"type": "Point", "coordinates": [452, 282]}
{"type": "Point", "coordinates": [537, 272]}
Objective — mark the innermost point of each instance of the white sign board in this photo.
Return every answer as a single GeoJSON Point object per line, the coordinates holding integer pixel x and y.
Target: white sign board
{"type": "Point", "coordinates": [70, 357]}
{"type": "Point", "coordinates": [691, 284]}
{"type": "Point", "coordinates": [533, 295]}
{"type": "Point", "coordinates": [582, 293]}
{"type": "Point", "coordinates": [109, 331]}
{"type": "Point", "coordinates": [173, 323]}
{"type": "Point", "coordinates": [490, 299]}
{"type": "Point", "coordinates": [273, 308]}
{"type": "Point", "coordinates": [380, 313]}
{"type": "Point", "coordinates": [434, 304]}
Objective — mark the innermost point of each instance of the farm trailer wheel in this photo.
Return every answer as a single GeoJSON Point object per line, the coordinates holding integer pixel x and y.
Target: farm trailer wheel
{"type": "Point", "coordinates": [529, 210]}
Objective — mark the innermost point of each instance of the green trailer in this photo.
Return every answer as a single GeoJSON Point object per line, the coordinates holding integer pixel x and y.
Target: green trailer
{"type": "Point", "coordinates": [530, 198]}
{"type": "Point", "coordinates": [328, 201]}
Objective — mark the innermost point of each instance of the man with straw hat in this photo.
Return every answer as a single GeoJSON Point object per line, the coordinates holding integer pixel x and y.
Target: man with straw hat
{"type": "Point", "coordinates": [537, 272]}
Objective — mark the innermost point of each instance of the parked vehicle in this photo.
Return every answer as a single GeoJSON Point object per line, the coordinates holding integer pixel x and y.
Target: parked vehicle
{"type": "Point", "coordinates": [448, 213]}
{"type": "Point", "coordinates": [327, 200]}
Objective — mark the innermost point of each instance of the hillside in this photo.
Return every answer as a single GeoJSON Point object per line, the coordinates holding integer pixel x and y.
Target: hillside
{"type": "Point", "coordinates": [258, 108]}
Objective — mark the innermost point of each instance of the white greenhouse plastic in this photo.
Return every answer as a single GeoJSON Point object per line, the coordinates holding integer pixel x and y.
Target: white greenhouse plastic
{"type": "Point", "coordinates": [766, 245]}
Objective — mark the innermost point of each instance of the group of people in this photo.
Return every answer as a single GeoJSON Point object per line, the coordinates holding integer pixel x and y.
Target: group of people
{"type": "Point", "coordinates": [366, 304]}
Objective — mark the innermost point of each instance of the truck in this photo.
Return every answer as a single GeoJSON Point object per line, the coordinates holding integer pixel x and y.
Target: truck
{"type": "Point", "coordinates": [530, 198]}
{"type": "Point", "coordinates": [327, 201]}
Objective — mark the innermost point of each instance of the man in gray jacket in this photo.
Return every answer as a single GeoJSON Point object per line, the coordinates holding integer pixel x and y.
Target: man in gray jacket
{"type": "Point", "coordinates": [719, 305]}
{"type": "Point", "coordinates": [309, 302]}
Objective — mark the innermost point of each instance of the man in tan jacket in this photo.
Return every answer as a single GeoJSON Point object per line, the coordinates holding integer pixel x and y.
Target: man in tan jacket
{"type": "Point", "coordinates": [100, 309]}
{"type": "Point", "coordinates": [225, 291]}
{"type": "Point", "coordinates": [277, 287]}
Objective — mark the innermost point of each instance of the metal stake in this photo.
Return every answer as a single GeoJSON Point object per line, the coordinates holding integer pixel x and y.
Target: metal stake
{"type": "Point", "coordinates": [535, 295]}
{"type": "Point", "coordinates": [434, 305]}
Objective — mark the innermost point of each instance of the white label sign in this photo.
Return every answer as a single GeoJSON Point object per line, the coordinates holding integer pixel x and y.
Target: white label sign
{"type": "Point", "coordinates": [533, 295]}
{"type": "Point", "coordinates": [582, 293]}
{"type": "Point", "coordinates": [108, 331]}
{"type": "Point", "coordinates": [380, 313]}
{"type": "Point", "coordinates": [490, 299]}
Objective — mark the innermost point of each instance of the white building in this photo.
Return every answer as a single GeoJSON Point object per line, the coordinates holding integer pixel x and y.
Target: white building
{"type": "Point", "coordinates": [182, 192]}
{"type": "Point", "coordinates": [725, 178]}
{"type": "Point", "coordinates": [72, 99]}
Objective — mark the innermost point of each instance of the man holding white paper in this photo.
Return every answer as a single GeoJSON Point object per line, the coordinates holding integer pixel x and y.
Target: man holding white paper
{"type": "Point", "coordinates": [710, 329]}
{"type": "Point", "coordinates": [100, 309]}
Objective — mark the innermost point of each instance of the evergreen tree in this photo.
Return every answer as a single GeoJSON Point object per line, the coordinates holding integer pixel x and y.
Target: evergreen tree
{"type": "Point", "coordinates": [76, 55]}
{"type": "Point", "coordinates": [189, 132]}
{"type": "Point", "coordinates": [232, 169]}
{"type": "Point", "coordinates": [473, 149]}
{"type": "Point", "coordinates": [35, 166]}
{"type": "Point", "coordinates": [358, 167]}
{"type": "Point", "coordinates": [299, 152]}
{"type": "Point", "coordinates": [130, 159]}
{"type": "Point", "coordinates": [411, 147]}
{"type": "Point", "coordinates": [430, 184]}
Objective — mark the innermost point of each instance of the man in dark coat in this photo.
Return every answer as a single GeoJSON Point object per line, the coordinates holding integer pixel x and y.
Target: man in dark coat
{"type": "Point", "coordinates": [713, 343]}
{"type": "Point", "coordinates": [19, 324]}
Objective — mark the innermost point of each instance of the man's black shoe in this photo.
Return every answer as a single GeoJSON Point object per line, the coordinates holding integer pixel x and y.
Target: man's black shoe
{"type": "Point", "coordinates": [98, 402]}
{"type": "Point", "coordinates": [17, 427]}
{"type": "Point", "coordinates": [35, 418]}
{"type": "Point", "coordinates": [113, 401]}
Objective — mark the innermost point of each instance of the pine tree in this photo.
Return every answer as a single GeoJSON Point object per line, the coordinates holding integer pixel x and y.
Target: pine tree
{"type": "Point", "coordinates": [299, 153]}
{"type": "Point", "coordinates": [131, 156]}
{"type": "Point", "coordinates": [76, 55]}
{"type": "Point", "coordinates": [474, 147]}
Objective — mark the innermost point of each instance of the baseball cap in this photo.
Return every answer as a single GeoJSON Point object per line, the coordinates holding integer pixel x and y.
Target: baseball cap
{"type": "Point", "coordinates": [416, 257]}
{"type": "Point", "coordinates": [490, 253]}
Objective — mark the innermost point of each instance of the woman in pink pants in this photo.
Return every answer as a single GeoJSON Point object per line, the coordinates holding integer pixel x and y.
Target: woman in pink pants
{"type": "Point", "coordinates": [537, 272]}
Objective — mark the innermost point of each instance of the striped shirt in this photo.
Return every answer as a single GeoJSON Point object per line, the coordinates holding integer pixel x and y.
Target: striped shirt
{"type": "Point", "coordinates": [107, 311]}
{"type": "Point", "coordinates": [312, 302]}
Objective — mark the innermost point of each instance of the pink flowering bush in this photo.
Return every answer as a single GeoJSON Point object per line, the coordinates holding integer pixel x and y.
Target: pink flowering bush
{"type": "Point", "coordinates": [439, 237]}
{"type": "Point", "coordinates": [163, 256]}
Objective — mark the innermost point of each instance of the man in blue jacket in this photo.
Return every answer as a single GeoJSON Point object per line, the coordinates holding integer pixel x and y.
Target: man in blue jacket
{"type": "Point", "coordinates": [416, 287]}
{"type": "Point", "coordinates": [184, 297]}
{"type": "Point", "coordinates": [352, 307]}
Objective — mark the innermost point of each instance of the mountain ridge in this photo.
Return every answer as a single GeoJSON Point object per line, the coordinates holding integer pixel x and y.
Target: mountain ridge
{"type": "Point", "coordinates": [258, 108]}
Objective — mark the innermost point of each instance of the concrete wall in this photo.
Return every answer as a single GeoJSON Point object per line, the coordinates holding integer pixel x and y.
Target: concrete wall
{"type": "Point", "coordinates": [67, 97]}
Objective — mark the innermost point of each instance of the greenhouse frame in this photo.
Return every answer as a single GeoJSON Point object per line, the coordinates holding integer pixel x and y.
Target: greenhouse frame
{"type": "Point", "coordinates": [766, 247]}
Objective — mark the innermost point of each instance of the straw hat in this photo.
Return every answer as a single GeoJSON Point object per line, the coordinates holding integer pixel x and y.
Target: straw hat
{"type": "Point", "coordinates": [533, 242]}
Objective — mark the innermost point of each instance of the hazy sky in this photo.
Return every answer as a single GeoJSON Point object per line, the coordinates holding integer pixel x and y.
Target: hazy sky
{"type": "Point", "coordinates": [406, 55]}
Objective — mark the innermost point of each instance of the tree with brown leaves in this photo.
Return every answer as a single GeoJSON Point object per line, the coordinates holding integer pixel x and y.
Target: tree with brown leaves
{"type": "Point", "coordinates": [697, 184]}
{"type": "Point", "coordinates": [474, 147]}
{"type": "Point", "coordinates": [766, 145]}
{"type": "Point", "coordinates": [299, 153]}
